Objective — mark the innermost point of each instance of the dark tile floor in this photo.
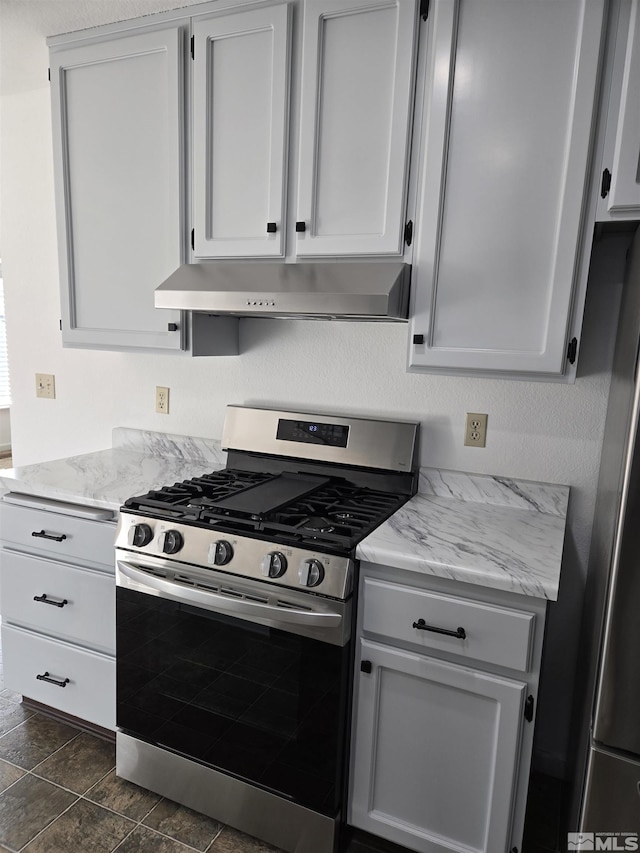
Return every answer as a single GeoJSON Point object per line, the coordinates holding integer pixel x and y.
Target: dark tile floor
{"type": "Point", "coordinates": [59, 794]}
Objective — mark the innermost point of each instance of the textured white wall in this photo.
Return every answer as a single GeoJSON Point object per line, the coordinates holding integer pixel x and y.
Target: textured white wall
{"type": "Point", "coordinates": [538, 431]}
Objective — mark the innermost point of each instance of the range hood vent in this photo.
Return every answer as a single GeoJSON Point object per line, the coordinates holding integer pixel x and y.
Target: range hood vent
{"type": "Point", "coordinates": [322, 291]}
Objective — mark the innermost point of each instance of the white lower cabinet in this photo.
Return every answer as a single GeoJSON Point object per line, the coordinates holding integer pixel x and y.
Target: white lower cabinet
{"type": "Point", "coordinates": [57, 599]}
{"type": "Point", "coordinates": [436, 752]}
{"type": "Point", "coordinates": [443, 718]}
{"type": "Point", "coordinates": [71, 603]}
{"type": "Point", "coordinates": [65, 677]}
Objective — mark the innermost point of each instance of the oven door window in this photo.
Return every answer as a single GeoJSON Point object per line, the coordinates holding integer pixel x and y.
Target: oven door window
{"type": "Point", "coordinates": [261, 704]}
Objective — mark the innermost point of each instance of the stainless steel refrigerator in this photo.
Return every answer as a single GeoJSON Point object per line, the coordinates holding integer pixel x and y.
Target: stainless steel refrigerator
{"type": "Point", "coordinates": [608, 776]}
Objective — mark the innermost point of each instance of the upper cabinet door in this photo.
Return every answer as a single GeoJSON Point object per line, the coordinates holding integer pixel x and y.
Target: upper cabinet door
{"type": "Point", "coordinates": [240, 127]}
{"type": "Point", "coordinates": [117, 134]}
{"type": "Point", "coordinates": [507, 124]}
{"type": "Point", "coordinates": [357, 94]}
{"type": "Point", "coordinates": [622, 144]}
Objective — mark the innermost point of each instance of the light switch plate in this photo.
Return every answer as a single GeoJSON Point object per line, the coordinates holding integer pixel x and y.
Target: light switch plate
{"type": "Point", "coordinates": [46, 385]}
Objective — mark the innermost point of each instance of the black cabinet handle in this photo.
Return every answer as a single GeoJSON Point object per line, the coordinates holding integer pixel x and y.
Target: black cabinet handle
{"type": "Point", "coordinates": [272, 227]}
{"type": "Point", "coordinates": [45, 600]}
{"type": "Point", "coordinates": [46, 677]}
{"type": "Point", "coordinates": [42, 535]}
{"type": "Point", "coordinates": [459, 633]}
{"type": "Point", "coordinates": [301, 227]}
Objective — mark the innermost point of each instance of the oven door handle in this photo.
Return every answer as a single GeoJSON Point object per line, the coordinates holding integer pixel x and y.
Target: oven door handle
{"type": "Point", "coordinates": [216, 602]}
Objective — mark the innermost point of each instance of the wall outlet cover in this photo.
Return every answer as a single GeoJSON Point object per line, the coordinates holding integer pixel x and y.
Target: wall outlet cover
{"type": "Point", "coordinates": [475, 430]}
{"type": "Point", "coordinates": [162, 400]}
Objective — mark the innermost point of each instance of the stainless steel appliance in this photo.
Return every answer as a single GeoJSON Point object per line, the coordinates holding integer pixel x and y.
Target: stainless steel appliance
{"type": "Point", "coordinates": [610, 746]}
{"type": "Point", "coordinates": [234, 619]}
{"type": "Point", "coordinates": [370, 290]}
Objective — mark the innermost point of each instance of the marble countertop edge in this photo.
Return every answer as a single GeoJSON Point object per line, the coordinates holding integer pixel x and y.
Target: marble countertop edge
{"type": "Point", "coordinates": [475, 575]}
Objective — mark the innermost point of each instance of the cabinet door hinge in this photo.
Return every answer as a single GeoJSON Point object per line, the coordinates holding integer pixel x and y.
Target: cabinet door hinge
{"type": "Point", "coordinates": [572, 350]}
{"type": "Point", "coordinates": [193, 47]}
{"type": "Point", "coordinates": [408, 232]}
{"type": "Point", "coordinates": [193, 239]}
{"type": "Point", "coordinates": [605, 186]}
{"type": "Point", "coordinates": [424, 9]}
{"type": "Point", "coordinates": [365, 666]}
{"type": "Point", "coordinates": [528, 709]}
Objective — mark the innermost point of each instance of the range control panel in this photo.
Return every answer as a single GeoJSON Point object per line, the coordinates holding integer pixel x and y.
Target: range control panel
{"type": "Point", "coordinates": [311, 432]}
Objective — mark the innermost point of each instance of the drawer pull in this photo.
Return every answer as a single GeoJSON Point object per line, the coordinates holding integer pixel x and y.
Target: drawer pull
{"type": "Point", "coordinates": [46, 600]}
{"type": "Point", "coordinates": [58, 682]}
{"type": "Point", "coordinates": [42, 535]}
{"type": "Point", "coordinates": [459, 633]}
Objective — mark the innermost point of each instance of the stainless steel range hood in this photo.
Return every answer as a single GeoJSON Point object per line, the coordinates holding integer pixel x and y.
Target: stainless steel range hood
{"type": "Point", "coordinates": [340, 291]}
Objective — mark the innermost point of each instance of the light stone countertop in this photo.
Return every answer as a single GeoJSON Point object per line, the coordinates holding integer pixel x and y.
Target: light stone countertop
{"type": "Point", "coordinates": [138, 461]}
{"type": "Point", "coordinates": [491, 531]}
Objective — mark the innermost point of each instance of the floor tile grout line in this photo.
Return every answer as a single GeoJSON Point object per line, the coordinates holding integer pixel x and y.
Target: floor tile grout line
{"type": "Point", "coordinates": [112, 810]}
{"type": "Point", "coordinates": [17, 725]}
{"type": "Point", "coordinates": [189, 846]}
{"type": "Point", "coordinates": [56, 751]}
{"type": "Point", "coordinates": [163, 835]}
{"type": "Point", "coordinates": [122, 840]}
{"type": "Point", "coordinates": [25, 773]}
{"type": "Point", "coordinates": [51, 822]}
{"type": "Point", "coordinates": [101, 779]}
{"type": "Point", "coordinates": [216, 837]}
{"type": "Point", "coordinates": [146, 814]}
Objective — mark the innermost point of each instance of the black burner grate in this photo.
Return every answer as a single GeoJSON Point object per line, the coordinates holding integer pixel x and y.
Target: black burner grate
{"type": "Point", "coordinates": [331, 512]}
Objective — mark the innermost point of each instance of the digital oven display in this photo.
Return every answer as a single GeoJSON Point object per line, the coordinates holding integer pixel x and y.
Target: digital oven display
{"type": "Point", "coordinates": [311, 432]}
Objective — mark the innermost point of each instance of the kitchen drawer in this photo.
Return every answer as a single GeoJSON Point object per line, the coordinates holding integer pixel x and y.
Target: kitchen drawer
{"type": "Point", "coordinates": [496, 635]}
{"type": "Point", "coordinates": [57, 535]}
{"type": "Point", "coordinates": [87, 617]}
{"type": "Point", "coordinates": [90, 693]}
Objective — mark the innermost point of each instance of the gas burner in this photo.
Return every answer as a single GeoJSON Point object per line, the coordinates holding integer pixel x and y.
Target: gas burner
{"type": "Point", "coordinates": [318, 525]}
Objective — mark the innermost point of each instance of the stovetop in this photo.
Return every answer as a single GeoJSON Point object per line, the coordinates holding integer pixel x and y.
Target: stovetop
{"type": "Point", "coordinates": [302, 509]}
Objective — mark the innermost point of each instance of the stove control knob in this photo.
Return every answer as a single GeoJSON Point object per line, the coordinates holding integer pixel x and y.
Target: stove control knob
{"type": "Point", "coordinates": [171, 542]}
{"type": "Point", "coordinates": [220, 553]}
{"type": "Point", "coordinates": [310, 573]}
{"type": "Point", "coordinates": [139, 535]}
{"type": "Point", "coordinates": [274, 565]}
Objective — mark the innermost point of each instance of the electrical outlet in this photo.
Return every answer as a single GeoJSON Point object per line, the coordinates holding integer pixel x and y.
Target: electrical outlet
{"type": "Point", "coordinates": [46, 385]}
{"type": "Point", "coordinates": [475, 430]}
{"type": "Point", "coordinates": [162, 400]}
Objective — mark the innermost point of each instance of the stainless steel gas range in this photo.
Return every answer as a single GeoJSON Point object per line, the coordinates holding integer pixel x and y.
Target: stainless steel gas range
{"type": "Point", "coordinates": [235, 620]}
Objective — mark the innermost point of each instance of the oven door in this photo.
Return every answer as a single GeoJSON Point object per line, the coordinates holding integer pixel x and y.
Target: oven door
{"type": "Point", "coordinates": [235, 675]}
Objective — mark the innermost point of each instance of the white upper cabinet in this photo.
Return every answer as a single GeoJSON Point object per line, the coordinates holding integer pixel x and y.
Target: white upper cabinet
{"type": "Point", "coordinates": [504, 154]}
{"type": "Point", "coordinates": [117, 130]}
{"type": "Point", "coordinates": [620, 184]}
{"type": "Point", "coordinates": [355, 121]}
{"type": "Point", "coordinates": [240, 127]}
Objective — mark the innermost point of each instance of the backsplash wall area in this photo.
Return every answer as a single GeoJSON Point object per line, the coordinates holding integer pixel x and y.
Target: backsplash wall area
{"type": "Point", "coordinates": [536, 430]}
